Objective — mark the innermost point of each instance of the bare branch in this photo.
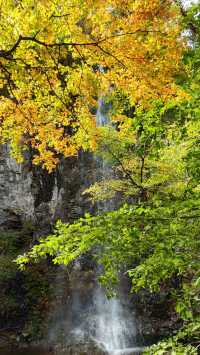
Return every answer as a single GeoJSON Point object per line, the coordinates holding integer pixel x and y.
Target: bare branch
{"type": "Point", "coordinates": [8, 53]}
{"type": "Point", "coordinates": [111, 55]}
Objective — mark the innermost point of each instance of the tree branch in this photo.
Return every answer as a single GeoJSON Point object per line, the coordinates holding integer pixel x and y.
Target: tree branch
{"type": "Point", "coordinates": [127, 174]}
{"type": "Point", "coordinates": [111, 55]}
{"type": "Point", "coordinates": [8, 53]}
{"type": "Point", "coordinates": [142, 169]}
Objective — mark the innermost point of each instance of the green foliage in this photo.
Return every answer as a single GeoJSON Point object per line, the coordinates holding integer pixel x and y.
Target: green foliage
{"type": "Point", "coordinates": [155, 237]}
{"type": "Point", "coordinates": [23, 297]}
{"type": "Point", "coordinates": [171, 347]}
{"type": "Point", "coordinates": [174, 346]}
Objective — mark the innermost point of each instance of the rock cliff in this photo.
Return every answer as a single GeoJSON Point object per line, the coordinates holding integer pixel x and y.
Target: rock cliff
{"type": "Point", "coordinates": [28, 193]}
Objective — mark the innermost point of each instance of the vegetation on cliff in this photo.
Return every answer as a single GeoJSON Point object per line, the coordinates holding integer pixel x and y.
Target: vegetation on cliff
{"type": "Point", "coordinates": [24, 297]}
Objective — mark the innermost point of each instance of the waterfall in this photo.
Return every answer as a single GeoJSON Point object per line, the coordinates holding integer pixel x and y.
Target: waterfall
{"type": "Point", "coordinates": [114, 325]}
{"type": "Point", "coordinates": [88, 322]}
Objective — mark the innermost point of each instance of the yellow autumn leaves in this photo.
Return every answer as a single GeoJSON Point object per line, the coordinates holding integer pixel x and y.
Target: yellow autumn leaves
{"type": "Point", "coordinates": [57, 57]}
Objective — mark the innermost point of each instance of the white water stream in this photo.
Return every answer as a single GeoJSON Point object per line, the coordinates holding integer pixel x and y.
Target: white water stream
{"type": "Point", "coordinates": [114, 324]}
{"type": "Point", "coordinates": [89, 317]}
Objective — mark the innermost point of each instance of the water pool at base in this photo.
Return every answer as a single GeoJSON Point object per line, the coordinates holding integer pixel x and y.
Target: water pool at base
{"type": "Point", "coordinates": [42, 351]}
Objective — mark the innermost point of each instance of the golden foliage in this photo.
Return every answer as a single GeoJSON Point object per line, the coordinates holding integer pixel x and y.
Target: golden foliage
{"type": "Point", "coordinates": [57, 56]}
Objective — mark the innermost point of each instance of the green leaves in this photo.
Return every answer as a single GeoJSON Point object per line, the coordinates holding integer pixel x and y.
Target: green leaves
{"type": "Point", "coordinates": [153, 147]}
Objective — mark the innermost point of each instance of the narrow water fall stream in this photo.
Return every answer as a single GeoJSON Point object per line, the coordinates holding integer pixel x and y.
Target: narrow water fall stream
{"type": "Point", "coordinates": [91, 323]}
{"type": "Point", "coordinates": [106, 322]}
{"type": "Point", "coordinates": [114, 328]}
{"type": "Point", "coordinates": [87, 322]}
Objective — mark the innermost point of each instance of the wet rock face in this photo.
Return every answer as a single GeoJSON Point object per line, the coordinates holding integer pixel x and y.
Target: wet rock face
{"type": "Point", "coordinates": [16, 199]}
{"type": "Point", "coordinates": [82, 348]}
{"type": "Point", "coordinates": [28, 193]}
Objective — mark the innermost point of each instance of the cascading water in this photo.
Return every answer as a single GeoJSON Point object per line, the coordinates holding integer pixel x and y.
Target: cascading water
{"type": "Point", "coordinates": [90, 323]}
{"type": "Point", "coordinates": [114, 325]}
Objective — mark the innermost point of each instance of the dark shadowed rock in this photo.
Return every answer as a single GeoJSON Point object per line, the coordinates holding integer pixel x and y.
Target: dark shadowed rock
{"type": "Point", "coordinates": [82, 348]}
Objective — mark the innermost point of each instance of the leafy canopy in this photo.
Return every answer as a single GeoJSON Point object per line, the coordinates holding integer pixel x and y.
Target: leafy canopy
{"type": "Point", "coordinates": [56, 57]}
{"type": "Point", "coordinates": [154, 153]}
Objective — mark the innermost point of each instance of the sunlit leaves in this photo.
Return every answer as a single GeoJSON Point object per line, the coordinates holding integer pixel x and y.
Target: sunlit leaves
{"type": "Point", "coordinates": [56, 57]}
{"type": "Point", "coordinates": [128, 52]}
